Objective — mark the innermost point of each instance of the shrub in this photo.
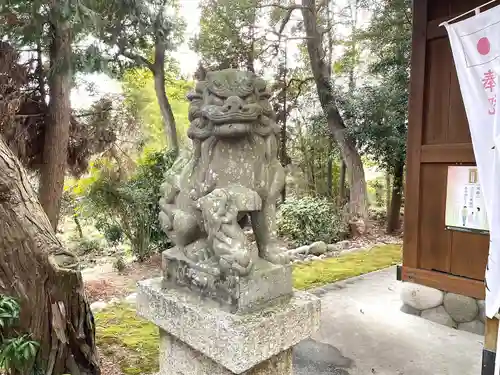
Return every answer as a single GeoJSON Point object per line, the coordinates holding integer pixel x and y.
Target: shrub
{"type": "Point", "coordinates": [119, 264]}
{"type": "Point", "coordinates": [18, 353]}
{"type": "Point", "coordinates": [310, 219]}
{"type": "Point", "coordinates": [378, 215]}
{"type": "Point", "coordinates": [377, 192]}
{"type": "Point", "coordinates": [86, 246]}
{"type": "Point", "coordinates": [113, 233]}
{"type": "Point", "coordinates": [129, 206]}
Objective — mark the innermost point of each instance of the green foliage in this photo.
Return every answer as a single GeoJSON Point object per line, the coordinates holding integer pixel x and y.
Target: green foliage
{"type": "Point", "coordinates": [327, 271]}
{"type": "Point", "coordinates": [378, 112]}
{"type": "Point", "coordinates": [377, 192]}
{"type": "Point", "coordinates": [140, 95]}
{"type": "Point", "coordinates": [312, 150]}
{"type": "Point", "coordinates": [24, 23]}
{"type": "Point", "coordinates": [86, 246]}
{"type": "Point", "coordinates": [310, 219]}
{"type": "Point", "coordinates": [132, 29]}
{"type": "Point", "coordinates": [131, 203]}
{"type": "Point", "coordinates": [17, 354]}
{"type": "Point", "coordinates": [119, 264]}
{"type": "Point", "coordinates": [9, 311]}
{"type": "Point", "coordinates": [227, 36]}
{"type": "Point", "coordinates": [378, 215]}
{"type": "Point", "coordinates": [113, 233]}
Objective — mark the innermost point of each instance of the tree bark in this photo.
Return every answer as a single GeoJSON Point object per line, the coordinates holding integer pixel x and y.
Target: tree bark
{"type": "Point", "coordinates": [342, 195]}
{"type": "Point", "coordinates": [43, 276]}
{"type": "Point", "coordinates": [78, 225]}
{"type": "Point", "coordinates": [356, 175]}
{"type": "Point", "coordinates": [388, 193]}
{"type": "Point", "coordinates": [393, 221]}
{"type": "Point", "coordinates": [158, 69]}
{"type": "Point", "coordinates": [329, 177]}
{"type": "Point", "coordinates": [57, 132]}
{"type": "Point", "coordinates": [283, 153]}
{"type": "Point", "coordinates": [329, 170]}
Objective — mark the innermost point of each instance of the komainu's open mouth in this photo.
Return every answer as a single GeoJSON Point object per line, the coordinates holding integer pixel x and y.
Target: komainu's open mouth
{"type": "Point", "coordinates": [218, 116]}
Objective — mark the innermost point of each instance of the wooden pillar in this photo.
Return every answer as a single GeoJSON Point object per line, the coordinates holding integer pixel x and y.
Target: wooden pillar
{"type": "Point", "coordinates": [490, 347]}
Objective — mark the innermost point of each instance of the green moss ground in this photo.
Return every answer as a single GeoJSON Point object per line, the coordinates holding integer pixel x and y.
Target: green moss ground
{"type": "Point", "coordinates": [133, 342]}
{"type": "Point", "coordinates": [318, 273]}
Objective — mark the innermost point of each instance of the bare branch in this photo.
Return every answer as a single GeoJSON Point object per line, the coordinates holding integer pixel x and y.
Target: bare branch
{"type": "Point", "coordinates": [301, 82]}
{"type": "Point", "coordinates": [134, 57]}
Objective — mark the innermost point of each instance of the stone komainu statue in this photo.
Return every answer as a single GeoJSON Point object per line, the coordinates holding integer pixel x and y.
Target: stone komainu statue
{"type": "Point", "coordinates": [233, 171]}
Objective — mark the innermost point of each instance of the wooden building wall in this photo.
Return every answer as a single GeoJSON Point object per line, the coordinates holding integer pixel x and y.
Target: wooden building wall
{"type": "Point", "coordinates": [438, 136]}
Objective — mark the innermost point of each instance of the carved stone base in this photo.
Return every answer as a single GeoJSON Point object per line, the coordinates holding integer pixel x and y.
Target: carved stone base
{"type": "Point", "coordinates": [219, 342]}
{"type": "Point", "coordinates": [180, 359]}
{"type": "Point", "coordinates": [268, 283]}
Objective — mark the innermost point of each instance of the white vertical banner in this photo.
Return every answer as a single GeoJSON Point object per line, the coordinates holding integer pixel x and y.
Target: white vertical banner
{"type": "Point", "coordinates": [475, 44]}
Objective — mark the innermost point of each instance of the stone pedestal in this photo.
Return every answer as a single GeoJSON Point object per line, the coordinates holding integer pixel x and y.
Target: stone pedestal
{"type": "Point", "coordinates": [250, 332]}
{"type": "Point", "coordinates": [177, 357]}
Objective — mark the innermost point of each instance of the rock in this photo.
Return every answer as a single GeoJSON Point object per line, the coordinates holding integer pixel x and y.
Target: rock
{"type": "Point", "coordinates": [332, 247]}
{"type": "Point", "coordinates": [318, 248]}
{"type": "Point", "coordinates": [299, 250]}
{"type": "Point", "coordinates": [421, 297]}
{"type": "Point", "coordinates": [342, 245]}
{"type": "Point", "coordinates": [98, 306]}
{"type": "Point", "coordinates": [461, 308]}
{"type": "Point", "coordinates": [407, 309]}
{"type": "Point", "coordinates": [482, 311]}
{"type": "Point", "coordinates": [476, 326]}
{"type": "Point", "coordinates": [438, 315]}
{"type": "Point", "coordinates": [131, 298]}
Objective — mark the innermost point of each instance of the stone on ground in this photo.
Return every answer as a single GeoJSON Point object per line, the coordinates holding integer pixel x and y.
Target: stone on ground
{"type": "Point", "coordinates": [299, 250]}
{"type": "Point", "coordinates": [98, 306]}
{"type": "Point", "coordinates": [131, 298]}
{"type": "Point", "coordinates": [438, 315]}
{"type": "Point", "coordinates": [421, 297]}
{"type": "Point", "coordinates": [407, 309]}
{"type": "Point", "coordinates": [462, 309]}
{"type": "Point", "coordinates": [475, 326]}
{"type": "Point", "coordinates": [318, 248]}
{"type": "Point", "coordinates": [342, 245]}
{"type": "Point", "coordinates": [482, 311]}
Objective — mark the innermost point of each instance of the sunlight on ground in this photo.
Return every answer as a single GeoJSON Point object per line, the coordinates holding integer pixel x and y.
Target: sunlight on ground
{"type": "Point", "coordinates": [133, 342]}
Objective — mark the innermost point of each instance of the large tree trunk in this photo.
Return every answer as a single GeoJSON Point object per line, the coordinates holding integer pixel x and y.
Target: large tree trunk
{"type": "Point", "coordinates": [329, 170]}
{"type": "Point", "coordinates": [342, 195]}
{"type": "Point", "coordinates": [57, 132]}
{"type": "Point", "coordinates": [43, 276]}
{"type": "Point", "coordinates": [387, 193]}
{"type": "Point", "coordinates": [356, 175]}
{"type": "Point", "coordinates": [158, 70]}
{"type": "Point", "coordinates": [394, 220]}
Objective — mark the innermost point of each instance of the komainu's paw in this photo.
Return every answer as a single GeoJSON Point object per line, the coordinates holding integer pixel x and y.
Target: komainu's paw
{"type": "Point", "coordinates": [198, 251]}
{"type": "Point", "coordinates": [234, 264]}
